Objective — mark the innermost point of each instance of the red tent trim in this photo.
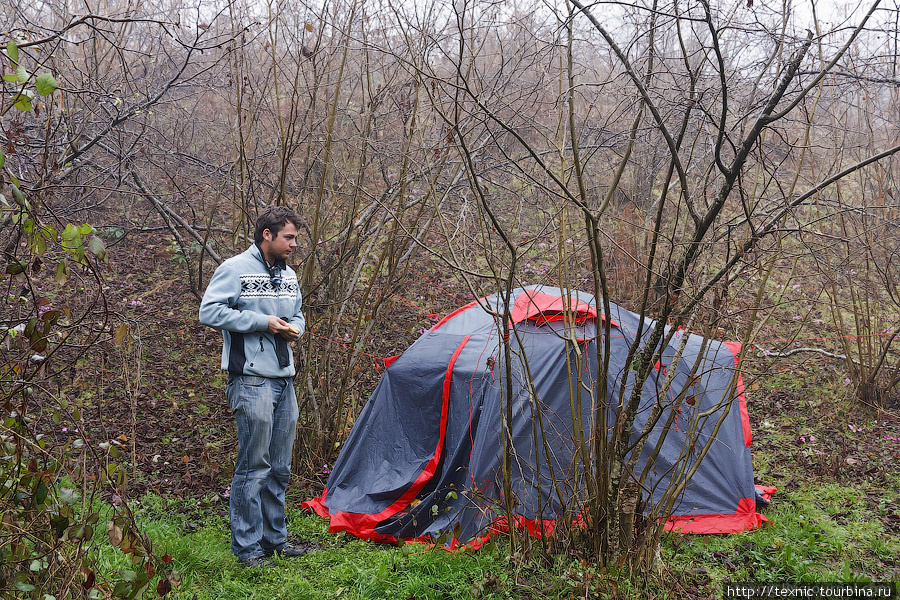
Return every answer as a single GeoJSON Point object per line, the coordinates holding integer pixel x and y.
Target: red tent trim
{"type": "Point", "coordinates": [744, 518]}
{"type": "Point", "coordinates": [543, 308]}
{"type": "Point", "coordinates": [363, 525]}
{"type": "Point", "coordinates": [539, 307]}
{"type": "Point", "coordinates": [501, 525]}
{"type": "Point", "coordinates": [317, 505]}
{"type": "Point", "coordinates": [498, 525]}
{"type": "Point", "coordinates": [735, 348]}
{"type": "Point", "coordinates": [766, 491]}
{"type": "Point", "coordinates": [456, 312]}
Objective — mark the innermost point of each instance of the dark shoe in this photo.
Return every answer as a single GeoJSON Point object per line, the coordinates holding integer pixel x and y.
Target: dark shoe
{"type": "Point", "coordinates": [287, 551]}
{"type": "Point", "coordinates": [257, 562]}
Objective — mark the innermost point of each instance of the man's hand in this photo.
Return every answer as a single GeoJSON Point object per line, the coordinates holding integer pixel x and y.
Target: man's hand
{"type": "Point", "coordinates": [280, 326]}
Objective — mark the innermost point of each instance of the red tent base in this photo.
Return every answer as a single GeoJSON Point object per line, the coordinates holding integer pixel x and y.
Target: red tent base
{"type": "Point", "coordinates": [745, 518]}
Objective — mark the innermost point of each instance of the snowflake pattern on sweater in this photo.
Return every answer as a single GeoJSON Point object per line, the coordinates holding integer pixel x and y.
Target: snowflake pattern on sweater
{"type": "Point", "coordinates": [261, 286]}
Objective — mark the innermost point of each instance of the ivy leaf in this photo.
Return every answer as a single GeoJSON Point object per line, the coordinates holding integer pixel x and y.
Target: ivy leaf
{"type": "Point", "coordinates": [45, 84]}
{"type": "Point", "coordinates": [13, 51]}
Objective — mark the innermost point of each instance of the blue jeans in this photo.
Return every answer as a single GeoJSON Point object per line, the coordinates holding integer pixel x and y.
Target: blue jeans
{"type": "Point", "coordinates": [265, 413]}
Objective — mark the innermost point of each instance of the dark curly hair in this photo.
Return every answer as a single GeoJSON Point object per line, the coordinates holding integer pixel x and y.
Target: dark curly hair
{"type": "Point", "coordinates": [274, 218]}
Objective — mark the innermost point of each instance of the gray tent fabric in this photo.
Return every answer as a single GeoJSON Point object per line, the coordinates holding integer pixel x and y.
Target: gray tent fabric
{"type": "Point", "coordinates": [424, 458]}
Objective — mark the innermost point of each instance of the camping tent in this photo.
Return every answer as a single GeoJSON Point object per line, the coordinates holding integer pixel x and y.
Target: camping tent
{"type": "Point", "coordinates": [423, 459]}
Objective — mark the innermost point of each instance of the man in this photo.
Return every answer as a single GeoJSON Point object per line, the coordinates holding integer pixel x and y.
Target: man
{"type": "Point", "coordinates": [254, 299]}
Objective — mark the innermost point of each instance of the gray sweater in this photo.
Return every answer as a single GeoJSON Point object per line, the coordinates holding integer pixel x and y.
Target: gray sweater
{"type": "Point", "coordinates": [239, 300]}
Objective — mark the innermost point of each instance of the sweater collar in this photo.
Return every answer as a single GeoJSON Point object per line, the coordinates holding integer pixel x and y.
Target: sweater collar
{"type": "Point", "coordinates": [279, 265]}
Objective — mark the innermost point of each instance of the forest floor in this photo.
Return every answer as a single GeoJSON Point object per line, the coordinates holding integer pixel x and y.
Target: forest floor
{"type": "Point", "coordinates": [835, 462]}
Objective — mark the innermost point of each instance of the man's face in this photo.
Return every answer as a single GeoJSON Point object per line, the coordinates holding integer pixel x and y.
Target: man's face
{"type": "Point", "coordinates": [281, 245]}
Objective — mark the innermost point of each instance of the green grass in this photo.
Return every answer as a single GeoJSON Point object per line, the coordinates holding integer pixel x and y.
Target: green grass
{"type": "Point", "coordinates": [821, 534]}
{"type": "Point", "coordinates": [344, 568]}
{"type": "Point", "coordinates": [197, 538]}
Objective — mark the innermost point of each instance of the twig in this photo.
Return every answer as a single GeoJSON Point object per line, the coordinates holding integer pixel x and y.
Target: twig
{"type": "Point", "coordinates": [168, 212]}
{"type": "Point", "coordinates": [794, 351]}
